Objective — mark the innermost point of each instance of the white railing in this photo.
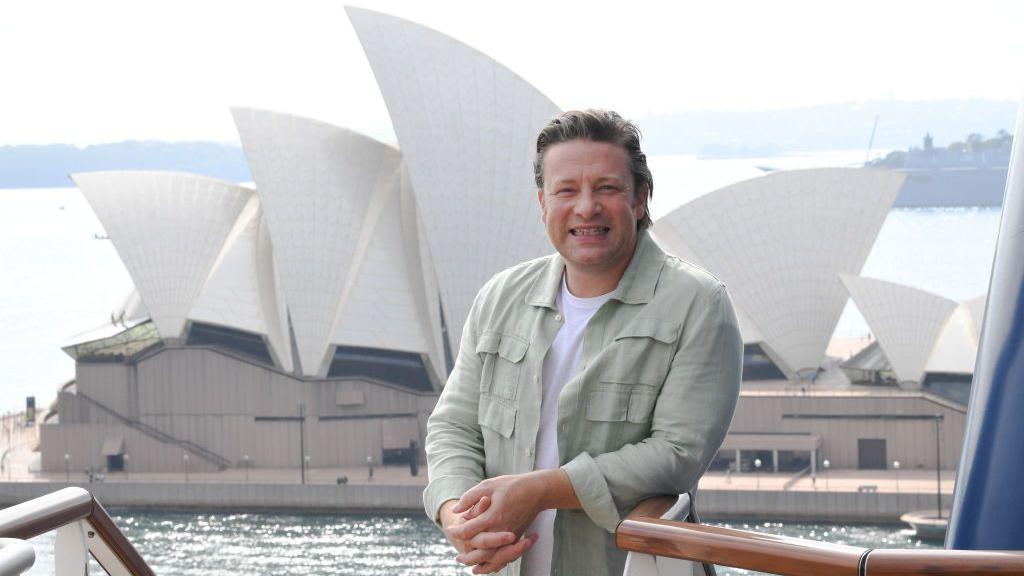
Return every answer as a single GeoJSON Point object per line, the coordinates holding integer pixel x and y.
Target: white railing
{"type": "Point", "coordinates": [83, 528]}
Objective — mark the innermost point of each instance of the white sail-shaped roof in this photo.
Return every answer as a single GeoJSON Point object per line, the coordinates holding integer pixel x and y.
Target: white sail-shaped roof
{"type": "Point", "coordinates": [315, 182]}
{"type": "Point", "coordinates": [386, 306]}
{"type": "Point", "coordinates": [956, 348]}
{"type": "Point", "coordinates": [671, 242]}
{"type": "Point", "coordinates": [976, 310]}
{"type": "Point", "coordinates": [779, 242]}
{"type": "Point", "coordinates": [907, 322]}
{"type": "Point", "coordinates": [169, 230]}
{"type": "Point", "coordinates": [242, 291]}
{"type": "Point", "coordinates": [467, 128]}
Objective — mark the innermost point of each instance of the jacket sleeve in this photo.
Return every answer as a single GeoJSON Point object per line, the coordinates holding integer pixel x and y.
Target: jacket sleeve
{"type": "Point", "coordinates": [454, 443]}
{"type": "Point", "coordinates": [689, 423]}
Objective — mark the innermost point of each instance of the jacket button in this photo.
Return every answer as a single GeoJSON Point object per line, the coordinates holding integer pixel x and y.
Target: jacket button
{"type": "Point", "coordinates": [558, 317]}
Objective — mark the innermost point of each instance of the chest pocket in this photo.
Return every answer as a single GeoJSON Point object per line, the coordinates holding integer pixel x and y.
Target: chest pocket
{"type": "Point", "coordinates": [502, 355]}
{"type": "Point", "coordinates": [635, 366]}
{"type": "Point", "coordinates": [641, 352]}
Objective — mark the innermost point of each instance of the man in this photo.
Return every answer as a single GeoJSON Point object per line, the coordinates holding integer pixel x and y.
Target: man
{"type": "Point", "coordinates": [586, 381]}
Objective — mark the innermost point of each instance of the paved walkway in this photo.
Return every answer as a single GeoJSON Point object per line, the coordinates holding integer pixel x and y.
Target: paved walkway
{"type": "Point", "coordinates": [887, 481]}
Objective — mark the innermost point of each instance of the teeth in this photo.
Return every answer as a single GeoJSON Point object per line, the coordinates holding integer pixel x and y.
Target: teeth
{"type": "Point", "coordinates": [589, 231]}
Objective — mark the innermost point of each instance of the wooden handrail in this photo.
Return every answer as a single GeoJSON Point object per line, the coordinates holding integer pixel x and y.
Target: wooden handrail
{"type": "Point", "coordinates": [645, 532]}
{"type": "Point", "coordinates": [943, 562]}
{"type": "Point", "coordinates": [49, 512]}
{"type": "Point", "coordinates": [737, 548]}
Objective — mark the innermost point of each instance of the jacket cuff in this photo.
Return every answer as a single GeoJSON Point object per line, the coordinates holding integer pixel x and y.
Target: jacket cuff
{"type": "Point", "coordinates": [592, 491]}
{"type": "Point", "coordinates": [443, 489]}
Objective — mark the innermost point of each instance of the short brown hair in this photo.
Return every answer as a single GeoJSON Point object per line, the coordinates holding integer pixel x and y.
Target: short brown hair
{"type": "Point", "coordinates": [598, 126]}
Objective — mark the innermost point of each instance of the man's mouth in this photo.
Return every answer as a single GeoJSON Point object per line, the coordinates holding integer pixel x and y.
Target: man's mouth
{"type": "Point", "coordinates": [589, 231]}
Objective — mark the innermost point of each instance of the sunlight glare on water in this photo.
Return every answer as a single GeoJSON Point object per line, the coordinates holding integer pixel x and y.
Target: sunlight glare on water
{"type": "Point", "coordinates": [221, 544]}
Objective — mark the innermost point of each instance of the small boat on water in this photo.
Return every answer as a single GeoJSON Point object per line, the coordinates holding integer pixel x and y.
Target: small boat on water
{"type": "Point", "coordinates": [927, 524]}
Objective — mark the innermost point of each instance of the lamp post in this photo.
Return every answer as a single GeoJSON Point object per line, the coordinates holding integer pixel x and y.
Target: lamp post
{"type": "Point", "coordinates": [67, 467]}
{"type": "Point", "coordinates": [245, 461]}
{"type": "Point", "coordinates": [305, 464]}
{"type": "Point", "coordinates": [896, 467]}
{"type": "Point", "coordinates": [185, 458]}
{"type": "Point", "coordinates": [938, 464]}
{"type": "Point", "coordinates": [757, 473]}
{"type": "Point", "coordinates": [826, 465]}
{"type": "Point", "coordinates": [369, 466]}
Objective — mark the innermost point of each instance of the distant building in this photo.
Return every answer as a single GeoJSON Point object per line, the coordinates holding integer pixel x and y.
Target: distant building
{"type": "Point", "coordinates": [923, 340]}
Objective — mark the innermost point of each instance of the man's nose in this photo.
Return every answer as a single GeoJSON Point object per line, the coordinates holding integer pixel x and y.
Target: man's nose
{"type": "Point", "coordinates": [587, 204]}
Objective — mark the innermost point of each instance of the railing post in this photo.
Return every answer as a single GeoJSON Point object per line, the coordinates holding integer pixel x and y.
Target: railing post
{"type": "Point", "coordinates": [70, 553]}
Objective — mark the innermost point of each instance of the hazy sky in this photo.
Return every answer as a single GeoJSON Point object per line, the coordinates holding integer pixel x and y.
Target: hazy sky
{"type": "Point", "coordinates": [86, 72]}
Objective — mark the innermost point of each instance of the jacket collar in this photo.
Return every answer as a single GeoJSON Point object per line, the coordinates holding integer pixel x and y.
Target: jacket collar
{"type": "Point", "coordinates": [636, 286]}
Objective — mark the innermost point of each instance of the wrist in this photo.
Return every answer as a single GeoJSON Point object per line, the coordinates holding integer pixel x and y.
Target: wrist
{"type": "Point", "coordinates": [444, 513]}
{"type": "Point", "coordinates": [554, 489]}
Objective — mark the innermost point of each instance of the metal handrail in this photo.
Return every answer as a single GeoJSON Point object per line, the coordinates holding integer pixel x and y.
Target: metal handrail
{"type": "Point", "coordinates": [16, 556]}
{"type": "Point", "coordinates": [104, 540]}
{"type": "Point", "coordinates": [643, 531]}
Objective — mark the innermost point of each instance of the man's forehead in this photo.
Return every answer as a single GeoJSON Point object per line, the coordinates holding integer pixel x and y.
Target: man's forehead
{"type": "Point", "coordinates": [569, 160]}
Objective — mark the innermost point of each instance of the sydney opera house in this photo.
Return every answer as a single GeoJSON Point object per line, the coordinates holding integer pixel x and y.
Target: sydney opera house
{"type": "Point", "coordinates": [314, 315]}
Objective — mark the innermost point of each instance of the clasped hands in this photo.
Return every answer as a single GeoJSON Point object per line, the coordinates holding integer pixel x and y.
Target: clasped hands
{"type": "Point", "coordinates": [486, 524]}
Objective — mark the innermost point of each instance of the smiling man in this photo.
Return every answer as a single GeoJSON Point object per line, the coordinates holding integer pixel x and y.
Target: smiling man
{"type": "Point", "coordinates": [587, 380]}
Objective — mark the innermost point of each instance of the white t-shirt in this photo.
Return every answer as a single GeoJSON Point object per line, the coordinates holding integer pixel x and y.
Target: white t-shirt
{"type": "Point", "coordinates": [560, 366]}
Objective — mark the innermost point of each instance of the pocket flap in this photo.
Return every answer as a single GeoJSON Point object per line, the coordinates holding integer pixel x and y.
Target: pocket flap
{"type": "Point", "coordinates": [508, 346]}
{"type": "Point", "coordinates": [497, 417]}
{"type": "Point", "coordinates": [660, 330]}
{"type": "Point", "coordinates": [512, 348]}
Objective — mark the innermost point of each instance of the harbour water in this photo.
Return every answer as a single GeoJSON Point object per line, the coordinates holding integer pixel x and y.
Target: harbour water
{"type": "Point", "coordinates": [222, 544]}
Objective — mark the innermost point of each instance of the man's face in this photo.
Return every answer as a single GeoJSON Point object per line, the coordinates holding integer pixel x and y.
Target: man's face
{"type": "Point", "coordinates": [589, 206]}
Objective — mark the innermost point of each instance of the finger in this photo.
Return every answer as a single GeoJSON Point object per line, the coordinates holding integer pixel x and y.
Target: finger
{"type": "Point", "coordinates": [492, 540]}
{"type": "Point", "coordinates": [469, 498]}
{"type": "Point", "coordinates": [459, 544]}
{"type": "Point", "coordinates": [474, 557]}
{"type": "Point", "coordinates": [470, 528]}
{"type": "Point", "coordinates": [479, 508]}
{"type": "Point", "coordinates": [505, 555]}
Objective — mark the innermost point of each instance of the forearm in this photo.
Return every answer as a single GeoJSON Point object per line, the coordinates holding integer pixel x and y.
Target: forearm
{"type": "Point", "coordinates": [454, 443]}
{"type": "Point", "coordinates": [455, 460]}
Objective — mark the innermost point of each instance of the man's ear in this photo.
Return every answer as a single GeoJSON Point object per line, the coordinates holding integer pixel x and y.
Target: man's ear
{"type": "Point", "coordinates": [540, 200]}
{"type": "Point", "coordinates": [640, 206]}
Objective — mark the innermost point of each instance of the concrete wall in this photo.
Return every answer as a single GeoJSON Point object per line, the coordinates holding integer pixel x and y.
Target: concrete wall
{"type": "Point", "coordinates": [231, 407]}
{"type": "Point", "coordinates": [110, 384]}
{"type": "Point", "coordinates": [83, 442]}
{"type": "Point", "coordinates": [912, 442]}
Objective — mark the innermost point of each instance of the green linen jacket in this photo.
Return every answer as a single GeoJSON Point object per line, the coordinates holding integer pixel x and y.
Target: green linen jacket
{"type": "Point", "coordinates": [645, 414]}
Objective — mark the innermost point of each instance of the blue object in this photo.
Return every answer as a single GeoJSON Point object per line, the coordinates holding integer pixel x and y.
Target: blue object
{"type": "Point", "coordinates": [988, 506]}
